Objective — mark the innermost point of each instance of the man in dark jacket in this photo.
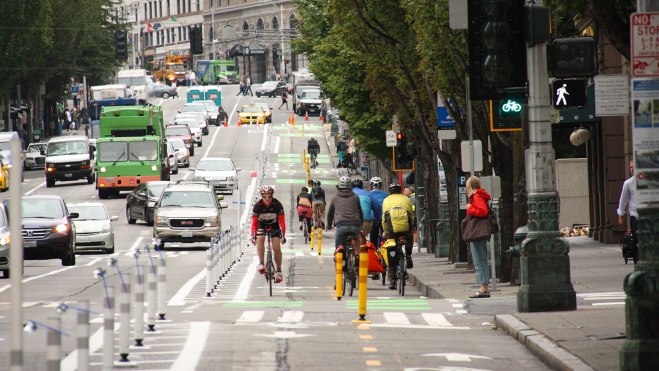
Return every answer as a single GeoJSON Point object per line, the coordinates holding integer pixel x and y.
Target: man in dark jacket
{"type": "Point", "coordinates": [345, 212]}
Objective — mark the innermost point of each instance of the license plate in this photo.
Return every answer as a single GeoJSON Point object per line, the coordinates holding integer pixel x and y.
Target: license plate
{"type": "Point", "coordinates": [186, 234]}
{"type": "Point", "coordinates": [68, 175]}
{"type": "Point", "coordinates": [29, 243]}
{"type": "Point", "coordinates": [83, 239]}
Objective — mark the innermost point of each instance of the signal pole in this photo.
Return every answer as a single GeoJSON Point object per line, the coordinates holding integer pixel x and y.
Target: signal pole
{"type": "Point", "coordinates": [545, 263]}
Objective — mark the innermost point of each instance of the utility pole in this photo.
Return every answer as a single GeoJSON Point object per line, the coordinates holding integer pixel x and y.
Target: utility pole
{"type": "Point", "coordinates": [545, 263]}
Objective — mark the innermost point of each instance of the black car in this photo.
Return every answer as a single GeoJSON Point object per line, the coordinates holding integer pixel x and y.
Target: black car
{"type": "Point", "coordinates": [140, 204]}
{"type": "Point", "coordinates": [271, 88]}
{"type": "Point", "coordinates": [48, 232]}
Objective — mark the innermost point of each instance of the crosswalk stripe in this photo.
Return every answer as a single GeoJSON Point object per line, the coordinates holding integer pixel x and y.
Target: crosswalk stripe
{"type": "Point", "coordinates": [398, 318]}
{"type": "Point", "coordinates": [436, 319]}
{"type": "Point", "coordinates": [290, 316]}
{"type": "Point", "coordinates": [251, 316]}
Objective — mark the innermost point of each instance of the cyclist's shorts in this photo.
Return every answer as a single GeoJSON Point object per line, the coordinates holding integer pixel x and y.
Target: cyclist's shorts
{"type": "Point", "coordinates": [275, 230]}
{"type": "Point", "coordinates": [303, 211]}
{"type": "Point", "coordinates": [321, 206]}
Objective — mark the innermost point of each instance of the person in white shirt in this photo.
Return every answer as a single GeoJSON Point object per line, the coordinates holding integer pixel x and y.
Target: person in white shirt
{"type": "Point", "coordinates": [628, 201]}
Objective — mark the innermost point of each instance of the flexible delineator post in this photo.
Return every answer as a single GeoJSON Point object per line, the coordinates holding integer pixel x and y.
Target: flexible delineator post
{"type": "Point", "coordinates": [138, 329]}
{"type": "Point", "coordinates": [339, 276]}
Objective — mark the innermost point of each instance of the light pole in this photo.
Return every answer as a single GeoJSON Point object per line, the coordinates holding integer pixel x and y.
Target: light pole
{"type": "Point", "coordinates": [213, 28]}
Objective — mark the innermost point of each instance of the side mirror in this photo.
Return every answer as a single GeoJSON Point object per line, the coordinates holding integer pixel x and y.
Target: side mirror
{"type": "Point", "coordinates": [114, 218]}
{"type": "Point", "coordinates": [238, 169]}
{"type": "Point", "coordinates": [220, 197]}
{"type": "Point", "coordinates": [223, 205]}
{"type": "Point", "coordinates": [74, 215]}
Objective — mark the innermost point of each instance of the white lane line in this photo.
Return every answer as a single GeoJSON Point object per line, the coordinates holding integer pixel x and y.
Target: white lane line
{"type": "Point", "coordinates": [605, 298]}
{"type": "Point", "coordinates": [92, 262]}
{"type": "Point", "coordinates": [248, 200]}
{"type": "Point", "coordinates": [265, 137]}
{"type": "Point", "coordinates": [457, 305]}
{"type": "Point", "coordinates": [191, 352]}
{"type": "Point", "coordinates": [246, 283]}
{"type": "Point", "coordinates": [396, 318]}
{"type": "Point", "coordinates": [251, 316]}
{"type": "Point", "coordinates": [179, 298]}
{"type": "Point", "coordinates": [436, 319]}
{"type": "Point", "coordinates": [6, 287]}
{"type": "Point", "coordinates": [277, 143]}
{"type": "Point", "coordinates": [420, 327]}
{"type": "Point", "coordinates": [601, 294]}
{"type": "Point", "coordinates": [291, 316]}
{"type": "Point", "coordinates": [218, 130]}
{"type": "Point", "coordinates": [34, 189]}
{"type": "Point", "coordinates": [609, 303]}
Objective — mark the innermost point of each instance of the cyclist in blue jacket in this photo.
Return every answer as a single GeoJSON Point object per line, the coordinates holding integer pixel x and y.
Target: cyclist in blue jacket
{"type": "Point", "coordinates": [377, 197]}
{"type": "Point", "coordinates": [365, 203]}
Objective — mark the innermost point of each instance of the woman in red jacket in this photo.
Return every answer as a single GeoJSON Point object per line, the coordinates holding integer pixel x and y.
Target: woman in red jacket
{"type": "Point", "coordinates": [478, 207]}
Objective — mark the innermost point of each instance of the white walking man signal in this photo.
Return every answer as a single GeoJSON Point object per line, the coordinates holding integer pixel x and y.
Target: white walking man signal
{"type": "Point", "coordinates": [561, 92]}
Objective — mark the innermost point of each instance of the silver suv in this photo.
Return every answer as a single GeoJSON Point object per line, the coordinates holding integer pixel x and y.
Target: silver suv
{"type": "Point", "coordinates": [187, 212]}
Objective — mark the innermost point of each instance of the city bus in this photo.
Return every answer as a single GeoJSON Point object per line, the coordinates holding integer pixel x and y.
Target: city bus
{"type": "Point", "coordinates": [217, 72]}
{"type": "Point", "coordinates": [131, 148]}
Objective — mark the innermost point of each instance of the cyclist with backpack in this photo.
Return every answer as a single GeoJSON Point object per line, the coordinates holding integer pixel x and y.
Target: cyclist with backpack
{"type": "Point", "coordinates": [268, 213]}
{"type": "Point", "coordinates": [313, 149]}
{"type": "Point", "coordinates": [365, 203]}
{"type": "Point", "coordinates": [345, 212]}
{"type": "Point", "coordinates": [377, 197]}
{"type": "Point", "coordinates": [397, 221]}
{"type": "Point", "coordinates": [318, 201]}
{"type": "Point", "coordinates": [304, 207]}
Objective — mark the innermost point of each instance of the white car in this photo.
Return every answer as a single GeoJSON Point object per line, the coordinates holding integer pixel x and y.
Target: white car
{"type": "Point", "coordinates": [218, 171]}
{"type": "Point", "coordinates": [93, 227]}
{"type": "Point", "coordinates": [35, 156]}
{"type": "Point", "coordinates": [180, 152]}
{"type": "Point", "coordinates": [213, 110]}
{"type": "Point", "coordinates": [195, 129]}
{"type": "Point", "coordinates": [199, 108]}
{"type": "Point", "coordinates": [199, 117]}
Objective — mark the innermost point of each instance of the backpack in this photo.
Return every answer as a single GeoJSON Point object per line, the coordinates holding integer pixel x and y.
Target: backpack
{"type": "Point", "coordinates": [399, 219]}
{"type": "Point", "coordinates": [304, 202]}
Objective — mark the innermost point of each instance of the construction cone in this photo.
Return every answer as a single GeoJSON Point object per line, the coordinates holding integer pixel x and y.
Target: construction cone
{"type": "Point", "coordinates": [321, 117]}
{"type": "Point", "coordinates": [225, 123]}
{"type": "Point", "coordinates": [306, 116]}
{"type": "Point", "coordinates": [239, 123]}
{"type": "Point", "coordinates": [291, 119]}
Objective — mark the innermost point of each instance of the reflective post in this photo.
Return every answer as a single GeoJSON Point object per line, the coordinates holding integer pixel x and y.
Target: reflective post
{"type": "Point", "coordinates": [124, 321]}
{"type": "Point", "coordinates": [209, 272]}
{"type": "Point", "coordinates": [53, 344]}
{"type": "Point", "coordinates": [82, 341]}
{"type": "Point", "coordinates": [363, 285]}
{"type": "Point", "coordinates": [138, 330]}
{"type": "Point", "coordinates": [320, 241]}
{"type": "Point", "coordinates": [339, 275]}
{"type": "Point", "coordinates": [15, 263]}
{"type": "Point", "coordinates": [313, 234]}
{"type": "Point", "coordinates": [108, 330]}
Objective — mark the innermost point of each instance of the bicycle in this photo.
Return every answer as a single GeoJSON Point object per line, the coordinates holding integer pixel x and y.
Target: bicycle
{"type": "Point", "coordinates": [401, 271]}
{"type": "Point", "coordinates": [350, 265]}
{"type": "Point", "coordinates": [305, 229]}
{"type": "Point", "coordinates": [317, 217]}
{"type": "Point", "coordinates": [349, 164]}
{"type": "Point", "coordinates": [313, 157]}
{"type": "Point", "coordinates": [269, 262]}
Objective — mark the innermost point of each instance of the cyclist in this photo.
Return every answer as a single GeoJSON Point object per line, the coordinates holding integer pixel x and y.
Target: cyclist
{"type": "Point", "coordinates": [377, 197]}
{"type": "Point", "coordinates": [345, 212]}
{"type": "Point", "coordinates": [341, 149]}
{"type": "Point", "coordinates": [318, 201]}
{"type": "Point", "coordinates": [268, 212]}
{"type": "Point", "coordinates": [397, 221]}
{"type": "Point", "coordinates": [304, 207]}
{"type": "Point", "coordinates": [313, 148]}
{"type": "Point", "coordinates": [365, 202]}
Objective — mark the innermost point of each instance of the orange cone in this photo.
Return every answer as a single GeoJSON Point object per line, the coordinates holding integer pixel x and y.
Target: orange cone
{"type": "Point", "coordinates": [225, 123]}
{"type": "Point", "coordinates": [239, 123]}
{"type": "Point", "coordinates": [321, 117]}
{"type": "Point", "coordinates": [306, 116]}
{"type": "Point", "coordinates": [291, 119]}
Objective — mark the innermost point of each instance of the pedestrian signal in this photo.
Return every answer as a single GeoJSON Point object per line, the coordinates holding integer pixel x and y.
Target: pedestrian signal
{"type": "Point", "coordinates": [569, 93]}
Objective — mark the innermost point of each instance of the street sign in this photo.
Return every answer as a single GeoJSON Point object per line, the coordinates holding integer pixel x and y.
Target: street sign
{"type": "Point", "coordinates": [611, 95]}
{"type": "Point", "coordinates": [506, 115]}
{"type": "Point", "coordinates": [645, 133]}
{"type": "Point", "coordinates": [444, 120]}
{"type": "Point", "coordinates": [569, 93]}
{"type": "Point", "coordinates": [466, 151]}
{"type": "Point", "coordinates": [390, 137]}
{"type": "Point", "coordinates": [75, 89]}
{"type": "Point", "coordinates": [645, 49]}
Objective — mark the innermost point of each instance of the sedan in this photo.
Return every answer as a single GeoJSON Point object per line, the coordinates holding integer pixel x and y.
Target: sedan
{"type": "Point", "coordinates": [141, 203]}
{"type": "Point", "coordinates": [4, 242]}
{"type": "Point", "coordinates": [196, 107]}
{"type": "Point", "coordinates": [199, 117]}
{"type": "Point", "coordinates": [35, 156]}
{"type": "Point", "coordinates": [271, 89]}
{"type": "Point", "coordinates": [213, 110]}
{"type": "Point", "coordinates": [195, 129]}
{"type": "Point", "coordinates": [171, 158]}
{"type": "Point", "coordinates": [162, 90]}
{"type": "Point", "coordinates": [180, 152]}
{"type": "Point", "coordinates": [251, 114]}
{"type": "Point", "coordinates": [218, 171]}
{"type": "Point", "coordinates": [267, 110]}
{"type": "Point", "coordinates": [93, 227]}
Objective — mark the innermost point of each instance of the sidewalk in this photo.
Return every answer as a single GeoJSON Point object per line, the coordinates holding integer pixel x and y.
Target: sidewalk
{"type": "Point", "coordinates": [588, 338]}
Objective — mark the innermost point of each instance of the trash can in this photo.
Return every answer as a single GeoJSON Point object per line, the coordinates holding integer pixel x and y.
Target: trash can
{"type": "Point", "coordinates": [36, 135]}
{"type": "Point", "coordinates": [515, 252]}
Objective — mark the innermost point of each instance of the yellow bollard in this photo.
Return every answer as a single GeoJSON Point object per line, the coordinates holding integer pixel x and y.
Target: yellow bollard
{"type": "Point", "coordinates": [313, 234]}
{"type": "Point", "coordinates": [303, 130]}
{"type": "Point", "coordinates": [320, 240]}
{"type": "Point", "coordinates": [339, 276]}
{"type": "Point", "coordinates": [363, 282]}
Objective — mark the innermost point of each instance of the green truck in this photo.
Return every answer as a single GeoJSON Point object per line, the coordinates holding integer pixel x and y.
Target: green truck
{"type": "Point", "coordinates": [211, 72]}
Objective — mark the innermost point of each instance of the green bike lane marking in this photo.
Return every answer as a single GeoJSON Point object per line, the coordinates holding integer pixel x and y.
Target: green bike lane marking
{"type": "Point", "coordinates": [311, 127]}
{"type": "Point", "coordinates": [264, 304]}
{"type": "Point", "coordinates": [391, 304]}
{"type": "Point", "coordinates": [304, 181]}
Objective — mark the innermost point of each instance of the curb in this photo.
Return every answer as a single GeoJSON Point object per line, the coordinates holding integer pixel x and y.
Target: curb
{"type": "Point", "coordinates": [552, 354]}
{"type": "Point", "coordinates": [428, 290]}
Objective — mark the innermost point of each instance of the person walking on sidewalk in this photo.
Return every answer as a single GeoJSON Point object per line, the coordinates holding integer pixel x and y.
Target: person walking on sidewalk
{"type": "Point", "coordinates": [248, 86]}
{"type": "Point", "coordinates": [478, 207]}
{"type": "Point", "coordinates": [284, 99]}
{"type": "Point", "coordinates": [242, 87]}
{"type": "Point", "coordinates": [628, 201]}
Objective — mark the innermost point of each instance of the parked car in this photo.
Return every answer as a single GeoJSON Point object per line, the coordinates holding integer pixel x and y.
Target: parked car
{"type": "Point", "coordinates": [271, 88]}
{"type": "Point", "coordinates": [180, 152]}
{"type": "Point", "coordinates": [181, 132]}
{"type": "Point", "coordinates": [267, 110]}
{"type": "Point", "coordinates": [172, 161]}
{"type": "Point", "coordinates": [200, 117]}
{"type": "Point", "coordinates": [48, 229]}
{"type": "Point", "coordinates": [141, 202]}
{"type": "Point", "coordinates": [219, 172]}
{"type": "Point", "coordinates": [35, 156]}
{"type": "Point", "coordinates": [187, 212]}
{"type": "Point", "coordinates": [251, 114]}
{"type": "Point", "coordinates": [4, 242]}
{"type": "Point", "coordinates": [162, 90]}
{"type": "Point", "coordinates": [93, 227]}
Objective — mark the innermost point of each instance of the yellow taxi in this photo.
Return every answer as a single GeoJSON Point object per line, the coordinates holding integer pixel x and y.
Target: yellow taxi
{"type": "Point", "coordinates": [4, 176]}
{"type": "Point", "coordinates": [251, 114]}
{"type": "Point", "coordinates": [267, 110]}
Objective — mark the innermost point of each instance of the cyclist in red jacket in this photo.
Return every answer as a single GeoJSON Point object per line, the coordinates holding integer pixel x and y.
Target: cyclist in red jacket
{"type": "Point", "coordinates": [268, 214]}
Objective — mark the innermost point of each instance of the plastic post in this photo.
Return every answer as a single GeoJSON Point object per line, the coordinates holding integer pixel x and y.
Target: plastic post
{"type": "Point", "coordinates": [339, 276]}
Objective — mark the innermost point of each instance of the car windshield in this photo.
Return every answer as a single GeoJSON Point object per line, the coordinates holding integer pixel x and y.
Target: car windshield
{"type": "Point", "coordinates": [215, 165]}
{"type": "Point", "coordinates": [187, 199]}
{"type": "Point", "coordinates": [146, 150]}
{"type": "Point", "coordinates": [132, 81]}
{"type": "Point", "coordinates": [48, 208]}
{"type": "Point", "coordinates": [77, 147]}
{"type": "Point", "coordinates": [4, 146]}
{"type": "Point", "coordinates": [177, 132]}
{"type": "Point", "coordinates": [112, 151]}
{"type": "Point", "coordinates": [269, 84]}
{"type": "Point", "coordinates": [90, 212]}
{"type": "Point", "coordinates": [194, 108]}
{"type": "Point", "coordinates": [155, 190]}
{"type": "Point", "coordinates": [311, 94]}
{"type": "Point", "coordinates": [252, 109]}
{"type": "Point", "coordinates": [177, 144]}
{"type": "Point", "coordinates": [36, 147]}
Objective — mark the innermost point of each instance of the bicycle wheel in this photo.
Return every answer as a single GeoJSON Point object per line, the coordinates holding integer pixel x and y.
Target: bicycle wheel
{"type": "Point", "coordinates": [351, 272]}
{"type": "Point", "coordinates": [402, 269]}
{"type": "Point", "coordinates": [346, 279]}
{"type": "Point", "coordinates": [269, 272]}
{"type": "Point", "coordinates": [384, 274]}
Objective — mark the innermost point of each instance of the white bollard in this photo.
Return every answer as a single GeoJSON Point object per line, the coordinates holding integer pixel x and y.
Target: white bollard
{"type": "Point", "coordinates": [138, 329]}
{"type": "Point", "coordinates": [82, 340]}
{"type": "Point", "coordinates": [151, 293]}
{"type": "Point", "coordinates": [108, 331]}
{"type": "Point", "coordinates": [209, 272]}
{"type": "Point", "coordinates": [124, 320]}
{"type": "Point", "coordinates": [162, 286]}
{"type": "Point", "coordinates": [53, 344]}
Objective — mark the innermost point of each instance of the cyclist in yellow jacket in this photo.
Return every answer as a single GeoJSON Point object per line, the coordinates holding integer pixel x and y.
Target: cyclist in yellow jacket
{"type": "Point", "coordinates": [398, 221]}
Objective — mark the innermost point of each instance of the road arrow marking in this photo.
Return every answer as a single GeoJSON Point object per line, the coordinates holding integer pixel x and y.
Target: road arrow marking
{"type": "Point", "coordinates": [456, 357]}
{"type": "Point", "coordinates": [284, 335]}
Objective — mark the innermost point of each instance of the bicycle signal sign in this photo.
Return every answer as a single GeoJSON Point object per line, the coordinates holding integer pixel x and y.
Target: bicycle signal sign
{"type": "Point", "coordinates": [511, 107]}
{"type": "Point", "coordinates": [506, 115]}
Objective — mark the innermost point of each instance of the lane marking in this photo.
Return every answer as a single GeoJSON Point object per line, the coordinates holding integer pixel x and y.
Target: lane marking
{"type": "Point", "coordinates": [277, 143]}
{"type": "Point", "coordinates": [436, 319]}
{"type": "Point", "coordinates": [420, 327]}
{"type": "Point", "coordinates": [243, 290]}
{"type": "Point", "coordinates": [291, 316]}
{"type": "Point", "coordinates": [609, 303]}
{"type": "Point", "coordinates": [34, 189]}
{"type": "Point", "coordinates": [370, 349]}
{"type": "Point", "coordinates": [194, 346]}
{"type": "Point", "coordinates": [218, 130]}
{"type": "Point", "coordinates": [6, 287]}
{"type": "Point", "coordinates": [251, 316]}
{"type": "Point", "coordinates": [179, 298]}
{"type": "Point", "coordinates": [366, 337]}
{"type": "Point", "coordinates": [373, 363]}
{"type": "Point", "coordinates": [396, 318]}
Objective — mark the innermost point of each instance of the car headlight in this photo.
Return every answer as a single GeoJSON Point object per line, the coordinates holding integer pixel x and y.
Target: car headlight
{"type": "Point", "coordinates": [162, 220]}
{"type": "Point", "coordinates": [5, 240]}
{"type": "Point", "coordinates": [154, 168]}
{"type": "Point", "coordinates": [50, 168]}
{"type": "Point", "coordinates": [102, 169]}
{"type": "Point", "coordinates": [151, 204]}
{"type": "Point", "coordinates": [61, 228]}
{"type": "Point", "coordinates": [212, 221]}
{"type": "Point", "coordinates": [106, 228]}
{"type": "Point", "coordinates": [231, 178]}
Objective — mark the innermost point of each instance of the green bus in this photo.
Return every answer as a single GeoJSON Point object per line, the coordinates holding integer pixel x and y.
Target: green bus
{"type": "Point", "coordinates": [211, 72]}
{"type": "Point", "coordinates": [131, 148]}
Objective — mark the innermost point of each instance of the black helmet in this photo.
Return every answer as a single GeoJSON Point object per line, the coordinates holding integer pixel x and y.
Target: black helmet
{"type": "Point", "coordinates": [394, 188]}
{"type": "Point", "coordinates": [357, 183]}
{"type": "Point", "coordinates": [317, 183]}
{"type": "Point", "coordinates": [305, 189]}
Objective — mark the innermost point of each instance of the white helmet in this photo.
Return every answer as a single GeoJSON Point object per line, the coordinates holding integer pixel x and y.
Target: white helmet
{"type": "Point", "coordinates": [345, 182]}
{"type": "Point", "coordinates": [376, 182]}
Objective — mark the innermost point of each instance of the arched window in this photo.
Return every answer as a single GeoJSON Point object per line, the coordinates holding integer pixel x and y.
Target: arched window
{"type": "Point", "coordinates": [259, 25]}
{"type": "Point", "coordinates": [292, 22]}
{"type": "Point", "coordinates": [245, 28]}
{"type": "Point", "coordinates": [275, 23]}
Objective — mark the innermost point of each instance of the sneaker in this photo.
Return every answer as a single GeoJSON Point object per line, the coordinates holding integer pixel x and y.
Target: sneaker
{"type": "Point", "coordinates": [410, 264]}
{"type": "Point", "coordinates": [278, 277]}
{"type": "Point", "coordinates": [261, 268]}
{"type": "Point", "coordinates": [392, 286]}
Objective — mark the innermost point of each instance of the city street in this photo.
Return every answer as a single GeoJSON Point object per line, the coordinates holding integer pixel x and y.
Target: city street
{"type": "Point", "coordinates": [240, 327]}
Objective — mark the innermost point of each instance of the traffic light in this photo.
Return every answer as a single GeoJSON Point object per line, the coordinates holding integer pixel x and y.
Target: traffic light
{"type": "Point", "coordinates": [403, 158]}
{"type": "Point", "coordinates": [497, 48]}
{"type": "Point", "coordinates": [506, 115]}
{"type": "Point", "coordinates": [572, 57]}
{"type": "Point", "coordinates": [196, 40]}
{"type": "Point", "coordinates": [400, 137]}
{"type": "Point", "coordinates": [121, 44]}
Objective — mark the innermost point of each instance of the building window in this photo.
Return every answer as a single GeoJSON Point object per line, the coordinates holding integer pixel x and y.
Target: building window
{"type": "Point", "coordinates": [259, 25]}
{"type": "Point", "coordinates": [183, 6]}
{"type": "Point", "coordinates": [292, 23]}
{"type": "Point", "coordinates": [160, 6]}
{"type": "Point", "coordinates": [275, 23]}
{"type": "Point", "coordinates": [245, 28]}
{"type": "Point", "coordinates": [178, 6]}
{"type": "Point", "coordinates": [168, 9]}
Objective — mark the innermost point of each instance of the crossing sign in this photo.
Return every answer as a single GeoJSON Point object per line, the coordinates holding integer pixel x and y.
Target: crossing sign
{"type": "Point", "coordinates": [390, 137]}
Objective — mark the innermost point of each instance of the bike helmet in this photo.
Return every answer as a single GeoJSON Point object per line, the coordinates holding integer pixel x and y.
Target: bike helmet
{"type": "Point", "coordinates": [357, 183]}
{"type": "Point", "coordinates": [266, 189]}
{"type": "Point", "coordinates": [305, 189]}
{"type": "Point", "coordinates": [345, 182]}
{"type": "Point", "coordinates": [317, 184]}
{"type": "Point", "coordinates": [394, 188]}
{"type": "Point", "coordinates": [376, 182]}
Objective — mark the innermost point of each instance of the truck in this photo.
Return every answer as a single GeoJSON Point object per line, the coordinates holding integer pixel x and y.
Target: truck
{"type": "Point", "coordinates": [69, 158]}
{"type": "Point", "coordinates": [106, 95]}
{"type": "Point", "coordinates": [131, 148]}
{"type": "Point", "coordinates": [173, 69]}
{"type": "Point", "coordinates": [217, 72]}
{"type": "Point", "coordinates": [301, 80]}
{"type": "Point", "coordinates": [137, 81]}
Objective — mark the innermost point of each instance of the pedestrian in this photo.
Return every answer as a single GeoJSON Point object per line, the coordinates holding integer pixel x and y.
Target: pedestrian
{"type": "Point", "coordinates": [193, 78]}
{"type": "Point", "coordinates": [248, 86]}
{"type": "Point", "coordinates": [242, 87]}
{"type": "Point", "coordinates": [187, 78]}
{"type": "Point", "coordinates": [628, 203]}
{"type": "Point", "coordinates": [67, 119]}
{"type": "Point", "coordinates": [478, 210]}
{"type": "Point", "coordinates": [84, 119]}
{"type": "Point", "coordinates": [284, 99]}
